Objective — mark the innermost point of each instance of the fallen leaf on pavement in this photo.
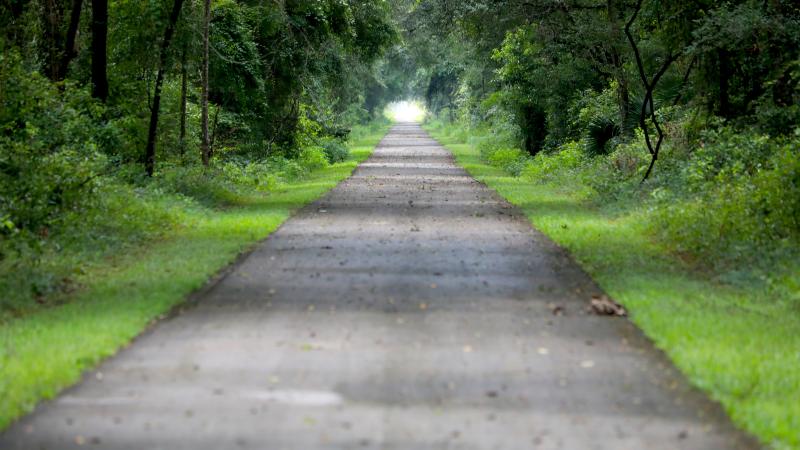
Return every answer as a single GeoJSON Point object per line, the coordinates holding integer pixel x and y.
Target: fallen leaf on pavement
{"type": "Point", "coordinates": [604, 306]}
{"type": "Point", "coordinates": [556, 309]}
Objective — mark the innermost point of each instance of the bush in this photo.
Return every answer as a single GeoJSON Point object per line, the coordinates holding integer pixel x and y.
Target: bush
{"type": "Point", "coordinates": [209, 186]}
{"type": "Point", "coordinates": [490, 143]}
{"type": "Point", "coordinates": [726, 155]}
{"type": "Point", "coordinates": [545, 167]}
{"type": "Point", "coordinates": [335, 151]}
{"type": "Point", "coordinates": [600, 134]}
{"type": "Point", "coordinates": [118, 217]}
{"type": "Point", "coordinates": [738, 203]}
{"type": "Point", "coordinates": [619, 173]}
{"type": "Point", "coordinates": [509, 159]}
{"type": "Point", "coordinates": [258, 176]}
{"type": "Point", "coordinates": [50, 159]}
{"type": "Point", "coordinates": [313, 158]}
{"type": "Point", "coordinates": [596, 117]}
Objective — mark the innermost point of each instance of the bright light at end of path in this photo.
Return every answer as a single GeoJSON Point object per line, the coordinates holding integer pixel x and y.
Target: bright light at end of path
{"type": "Point", "coordinates": [405, 111]}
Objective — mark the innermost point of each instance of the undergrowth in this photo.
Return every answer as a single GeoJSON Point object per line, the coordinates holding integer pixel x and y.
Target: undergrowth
{"type": "Point", "coordinates": [704, 255]}
{"type": "Point", "coordinates": [92, 287]}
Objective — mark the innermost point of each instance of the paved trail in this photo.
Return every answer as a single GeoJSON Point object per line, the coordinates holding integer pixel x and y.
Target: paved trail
{"type": "Point", "coordinates": [410, 308]}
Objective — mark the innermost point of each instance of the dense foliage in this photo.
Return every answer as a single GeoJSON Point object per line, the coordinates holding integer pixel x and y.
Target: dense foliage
{"type": "Point", "coordinates": [688, 111]}
{"type": "Point", "coordinates": [97, 95]}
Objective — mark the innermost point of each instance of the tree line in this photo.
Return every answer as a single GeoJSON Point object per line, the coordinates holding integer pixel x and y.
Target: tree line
{"type": "Point", "coordinates": [259, 65]}
{"type": "Point", "coordinates": [684, 114]}
{"type": "Point", "coordinates": [97, 95]}
{"type": "Point", "coordinates": [736, 62]}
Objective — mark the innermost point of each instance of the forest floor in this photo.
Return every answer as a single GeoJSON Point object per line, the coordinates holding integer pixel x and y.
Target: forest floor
{"type": "Point", "coordinates": [411, 307]}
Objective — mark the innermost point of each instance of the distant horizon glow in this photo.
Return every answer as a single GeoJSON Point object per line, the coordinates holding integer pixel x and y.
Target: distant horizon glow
{"type": "Point", "coordinates": [406, 111]}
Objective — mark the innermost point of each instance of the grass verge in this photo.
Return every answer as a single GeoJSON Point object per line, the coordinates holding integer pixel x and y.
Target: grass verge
{"type": "Point", "coordinates": [737, 344]}
{"type": "Point", "coordinates": [48, 349]}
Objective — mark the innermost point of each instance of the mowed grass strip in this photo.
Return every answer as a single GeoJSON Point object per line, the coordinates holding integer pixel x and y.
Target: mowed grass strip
{"type": "Point", "coordinates": [48, 350]}
{"type": "Point", "coordinates": [740, 346]}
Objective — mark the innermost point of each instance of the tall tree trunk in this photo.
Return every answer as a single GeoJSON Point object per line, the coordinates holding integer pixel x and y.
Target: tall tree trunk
{"type": "Point", "coordinates": [71, 48]}
{"type": "Point", "coordinates": [205, 144]}
{"type": "Point", "coordinates": [724, 83]}
{"type": "Point", "coordinates": [648, 105]}
{"type": "Point", "coordinates": [99, 45]}
{"type": "Point", "coordinates": [150, 150]}
{"type": "Point", "coordinates": [214, 131]}
{"type": "Point", "coordinates": [51, 37]}
{"type": "Point", "coordinates": [618, 62]}
{"type": "Point", "coordinates": [184, 87]}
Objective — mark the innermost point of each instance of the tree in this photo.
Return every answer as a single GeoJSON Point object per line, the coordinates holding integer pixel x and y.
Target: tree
{"type": "Point", "coordinates": [99, 49]}
{"type": "Point", "coordinates": [205, 143]}
{"type": "Point", "coordinates": [184, 89]}
{"type": "Point", "coordinates": [649, 84]}
{"type": "Point", "coordinates": [169, 31]}
{"type": "Point", "coordinates": [51, 37]}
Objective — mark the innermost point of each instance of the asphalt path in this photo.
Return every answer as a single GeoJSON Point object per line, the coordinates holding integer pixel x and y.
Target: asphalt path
{"type": "Point", "coordinates": [409, 308]}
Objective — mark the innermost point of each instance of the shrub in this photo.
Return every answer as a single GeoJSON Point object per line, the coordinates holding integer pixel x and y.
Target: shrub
{"type": "Point", "coordinates": [335, 151]}
{"type": "Point", "coordinates": [600, 133]}
{"type": "Point", "coordinates": [49, 163]}
{"type": "Point", "coordinates": [739, 203]}
{"type": "Point", "coordinates": [596, 117]}
{"type": "Point", "coordinates": [544, 167]}
{"type": "Point", "coordinates": [488, 144]}
{"type": "Point", "coordinates": [619, 173]}
{"type": "Point", "coordinates": [508, 159]}
{"type": "Point", "coordinates": [119, 216]}
{"type": "Point", "coordinates": [313, 158]}
{"type": "Point", "coordinates": [209, 186]}
{"type": "Point", "coordinates": [725, 154]}
{"type": "Point", "coordinates": [258, 176]}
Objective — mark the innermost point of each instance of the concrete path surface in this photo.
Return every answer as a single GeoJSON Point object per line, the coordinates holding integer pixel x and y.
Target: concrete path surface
{"type": "Point", "coordinates": [410, 308]}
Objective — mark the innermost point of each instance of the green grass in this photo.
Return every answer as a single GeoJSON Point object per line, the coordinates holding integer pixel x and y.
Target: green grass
{"type": "Point", "coordinates": [737, 344]}
{"type": "Point", "coordinates": [48, 349]}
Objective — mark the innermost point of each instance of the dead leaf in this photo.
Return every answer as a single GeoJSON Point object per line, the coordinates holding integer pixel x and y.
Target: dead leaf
{"type": "Point", "coordinates": [604, 306]}
{"type": "Point", "coordinates": [556, 309]}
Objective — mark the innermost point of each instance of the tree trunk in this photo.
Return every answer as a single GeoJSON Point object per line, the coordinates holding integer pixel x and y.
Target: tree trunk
{"type": "Point", "coordinates": [150, 150]}
{"type": "Point", "coordinates": [648, 104]}
{"type": "Point", "coordinates": [99, 45]}
{"type": "Point", "coordinates": [71, 48]}
{"type": "Point", "coordinates": [724, 83]}
{"type": "Point", "coordinates": [205, 144]}
{"type": "Point", "coordinates": [51, 37]}
{"type": "Point", "coordinates": [618, 62]}
{"type": "Point", "coordinates": [534, 128]}
{"type": "Point", "coordinates": [214, 132]}
{"type": "Point", "coordinates": [184, 87]}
